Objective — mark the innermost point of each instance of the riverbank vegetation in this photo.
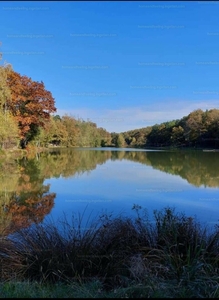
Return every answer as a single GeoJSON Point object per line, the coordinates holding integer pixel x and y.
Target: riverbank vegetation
{"type": "Point", "coordinates": [170, 256]}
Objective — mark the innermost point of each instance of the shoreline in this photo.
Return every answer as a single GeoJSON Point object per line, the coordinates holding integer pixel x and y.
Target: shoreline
{"type": "Point", "coordinates": [17, 152]}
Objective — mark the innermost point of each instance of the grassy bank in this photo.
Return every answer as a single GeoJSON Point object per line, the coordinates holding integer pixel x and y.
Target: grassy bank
{"type": "Point", "coordinates": [113, 257]}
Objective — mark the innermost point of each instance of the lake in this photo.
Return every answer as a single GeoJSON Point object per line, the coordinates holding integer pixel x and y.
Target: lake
{"type": "Point", "coordinates": [98, 181]}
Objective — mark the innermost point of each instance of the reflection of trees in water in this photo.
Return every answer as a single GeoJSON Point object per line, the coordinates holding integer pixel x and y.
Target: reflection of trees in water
{"type": "Point", "coordinates": [117, 155]}
{"type": "Point", "coordinates": [32, 211]}
{"type": "Point", "coordinates": [24, 198]}
{"type": "Point", "coordinates": [69, 162]}
{"type": "Point", "coordinates": [197, 167]}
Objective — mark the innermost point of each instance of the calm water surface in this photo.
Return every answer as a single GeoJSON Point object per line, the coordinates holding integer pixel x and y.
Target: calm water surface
{"type": "Point", "coordinates": [107, 180]}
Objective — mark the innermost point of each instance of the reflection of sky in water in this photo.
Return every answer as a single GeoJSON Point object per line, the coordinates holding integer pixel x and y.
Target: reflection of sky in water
{"type": "Point", "coordinates": [116, 185]}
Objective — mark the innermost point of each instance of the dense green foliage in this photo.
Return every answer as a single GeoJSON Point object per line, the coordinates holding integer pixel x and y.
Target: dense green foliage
{"type": "Point", "coordinates": [67, 131]}
{"type": "Point", "coordinates": [198, 129]}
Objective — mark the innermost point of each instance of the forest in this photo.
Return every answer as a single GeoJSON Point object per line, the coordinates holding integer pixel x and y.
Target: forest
{"type": "Point", "coordinates": [198, 129]}
{"type": "Point", "coordinates": [28, 119]}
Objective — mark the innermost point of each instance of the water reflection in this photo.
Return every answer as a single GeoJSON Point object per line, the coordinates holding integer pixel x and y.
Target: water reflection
{"type": "Point", "coordinates": [26, 199]}
{"type": "Point", "coordinates": [197, 167]}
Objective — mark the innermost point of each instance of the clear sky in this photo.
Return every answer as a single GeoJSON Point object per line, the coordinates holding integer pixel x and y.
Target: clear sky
{"type": "Point", "coordinates": [123, 65]}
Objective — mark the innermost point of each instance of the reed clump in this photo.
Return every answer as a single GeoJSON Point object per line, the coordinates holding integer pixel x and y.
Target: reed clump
{"type": "Point", "coordinates": [171, 256]}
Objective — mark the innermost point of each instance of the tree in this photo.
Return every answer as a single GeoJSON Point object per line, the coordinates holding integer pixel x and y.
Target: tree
{"type": "Point", "coordinates": [59, 133]}
{"type": "Point", "coordinates": [194, 126]}
{"type": "Point", "coordinates": [120, 141]}
{"type": "Point", "coordinates": [210, 136]}
{"type": "Point", "coordinates": [105, 137]}
{"type": "Point", "coordinates": [30, 104]}
{"type": "Point", "coordinates": [9, 136]}
{"type": "Point", "coordinates": [5, 93]}
{"type": "Point", "coordinates": [8, 126]}
{"type": "Point", "coordinates": [177, 136]}
{"type": "Point", "coordinates": [72, 129]}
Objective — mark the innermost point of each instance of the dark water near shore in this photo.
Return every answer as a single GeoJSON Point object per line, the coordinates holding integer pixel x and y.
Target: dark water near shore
{"type": "Point", "coordinates": [107, 180]}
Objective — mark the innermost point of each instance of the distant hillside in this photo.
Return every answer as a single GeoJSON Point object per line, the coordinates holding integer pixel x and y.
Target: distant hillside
{"type": "Point", "coordinates": [198, 129]}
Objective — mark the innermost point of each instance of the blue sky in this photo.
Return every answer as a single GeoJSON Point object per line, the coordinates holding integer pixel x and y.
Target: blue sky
{"type": "Point", "coordinates": [123, 65]}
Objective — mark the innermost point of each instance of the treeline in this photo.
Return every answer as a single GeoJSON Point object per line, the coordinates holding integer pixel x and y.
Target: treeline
{"type": "Point", "coordinates": [70, 132]}
{"type": "Point", "coordinates": [198, 129]}
{"type": "Point", "coordinates": [26, 117]}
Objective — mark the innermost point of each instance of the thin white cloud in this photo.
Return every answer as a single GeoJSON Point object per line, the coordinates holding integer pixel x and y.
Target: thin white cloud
{"type": "Point", "coordinates": [127, 118]}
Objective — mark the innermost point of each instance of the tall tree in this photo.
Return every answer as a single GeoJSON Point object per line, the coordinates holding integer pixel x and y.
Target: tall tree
{"type": "Point", "coordinates": [8, 126]}
{"type": "Point", "coordinates": [194, 126]}
{"type": "Point", "coordinates": [9, 136]}
{"type": "Point", "coordinates": [30, 104]}
{"type": "Point", "coordinates": [177, 135]}
{"type": "Point", "coordinates": [120, 141]}
{"type": "Point", "coordinates": [5, 92]}
{"type": "Point", "coordinates": [72, 130]}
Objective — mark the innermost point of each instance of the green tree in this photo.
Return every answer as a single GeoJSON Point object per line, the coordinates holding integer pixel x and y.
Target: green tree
{"type": "Point", "coordinates": [53, 132]}
{"type": "Point", "coordinates": [194, 126]}
{"type": "Point", "coordinates": [8, 126]}
{"type": "Point", "coordinates": [5, 92]}
{"type": "Point", "coordinates": [120, 141]}
{"type": "Point", "coordinates": [177, 135]}
{"type": "Point", "coordinates": [73, 131]}
{"type": "Point", "coordinates": [9, 134]}
{"type": "Point", "coordinates": [114, 136]}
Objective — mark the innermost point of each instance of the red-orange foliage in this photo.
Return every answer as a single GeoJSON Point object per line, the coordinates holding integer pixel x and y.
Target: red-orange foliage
{"type": "Point", "coordinates": [30, 103]}
{"type": "Point", "coordinates": [33, 211]}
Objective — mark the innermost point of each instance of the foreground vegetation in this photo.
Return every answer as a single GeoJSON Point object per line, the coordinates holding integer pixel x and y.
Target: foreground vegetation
{"type": "Point", "coordinates": [113, 257]}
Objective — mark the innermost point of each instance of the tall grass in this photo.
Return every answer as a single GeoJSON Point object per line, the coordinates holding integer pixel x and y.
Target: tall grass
{"type": "Point", "coordinates": [172, 256]}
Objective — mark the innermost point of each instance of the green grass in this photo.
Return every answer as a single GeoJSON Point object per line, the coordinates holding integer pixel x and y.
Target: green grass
{"type": "Point", "coordinates": [119, 257]}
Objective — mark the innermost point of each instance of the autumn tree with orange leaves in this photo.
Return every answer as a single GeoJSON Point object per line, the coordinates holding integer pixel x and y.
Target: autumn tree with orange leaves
{"type": "Point", "coordinates": [30, 104]}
